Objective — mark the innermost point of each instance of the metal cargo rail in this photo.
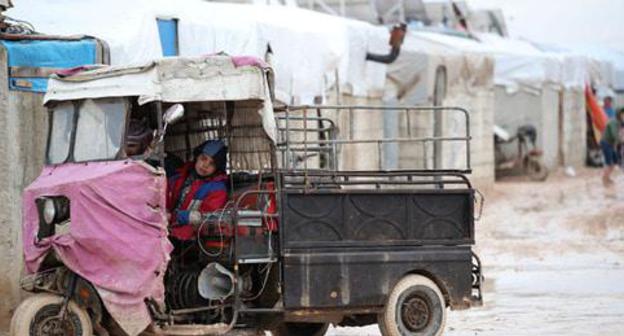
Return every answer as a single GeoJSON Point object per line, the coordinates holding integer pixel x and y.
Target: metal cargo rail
{"type": "Point", "coordinates": [305, 132]}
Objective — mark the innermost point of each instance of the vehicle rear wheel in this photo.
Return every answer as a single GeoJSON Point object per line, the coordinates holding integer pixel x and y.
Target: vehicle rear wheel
{"type": "Point", "coordinates": [415, 307]}
{"type": "Point", "coordinates": [300, 329]}
{"type": "Point", "coordinates": [38, 316]}
{"type": "Point", "coordinates": [536, 169]}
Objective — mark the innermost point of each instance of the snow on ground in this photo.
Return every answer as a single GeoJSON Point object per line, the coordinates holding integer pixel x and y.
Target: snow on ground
{"type": "Point", "coordinates": [553, 256]}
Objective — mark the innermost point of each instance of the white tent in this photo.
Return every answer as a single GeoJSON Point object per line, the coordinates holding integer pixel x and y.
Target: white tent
{"type": "Point", "coordinates": [412, 80]}
{"type": "Point", "coordinates": [307, 46]}
{"type": "Point", "coordinates": [529, 86]}
{"type": "Point", "coordinates": [604, 54]}
{"type": "Point", "coordinates": [544, 89]}
{"type": "Point", "coordinates": [430, 71]}
{"type": "Point", "coordinates": [610, 63]}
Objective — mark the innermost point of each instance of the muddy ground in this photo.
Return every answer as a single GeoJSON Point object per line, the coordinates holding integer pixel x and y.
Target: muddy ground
{"type": "Point", "coordinates": [553, 256]}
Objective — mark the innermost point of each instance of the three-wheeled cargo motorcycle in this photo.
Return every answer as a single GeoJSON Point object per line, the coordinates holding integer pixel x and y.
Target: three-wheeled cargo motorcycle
{"type": "Point", "coordinates": [304, 240]}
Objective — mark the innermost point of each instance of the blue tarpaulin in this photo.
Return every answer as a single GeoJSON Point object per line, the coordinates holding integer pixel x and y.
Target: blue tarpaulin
{"type": "Point", "coordinates": [168, 31]}
{"type": "Point", "coordinates": [53, 54]}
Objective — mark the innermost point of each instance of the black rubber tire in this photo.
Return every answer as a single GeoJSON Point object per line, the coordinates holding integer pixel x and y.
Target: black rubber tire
{"type": "Point", "coordinates": [594, 158]}
{"type": "Point", "coordinates": [536, 170]}
{"type": "Point", "coordinates": [422, 291]}
{"type": "Point", "coordinates": [42, 306]}
{"type": "Point", "coordinates": [300, 329]}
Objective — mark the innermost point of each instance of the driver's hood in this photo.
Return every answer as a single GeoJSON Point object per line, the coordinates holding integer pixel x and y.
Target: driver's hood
{"type": "Point", "coordinates": [117, 238]}
{"type": "Point", "coordinates": [55, 179]}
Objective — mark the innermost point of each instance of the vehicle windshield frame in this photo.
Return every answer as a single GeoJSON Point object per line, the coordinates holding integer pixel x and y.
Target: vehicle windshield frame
{"type": "Point", "coordinates": [51, 110]}
{"type": "Point", "coordinates": [77, 110]}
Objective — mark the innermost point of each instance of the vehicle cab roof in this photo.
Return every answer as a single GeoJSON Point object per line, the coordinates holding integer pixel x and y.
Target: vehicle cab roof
{"type": "Point", "coordinates": [171, 79]}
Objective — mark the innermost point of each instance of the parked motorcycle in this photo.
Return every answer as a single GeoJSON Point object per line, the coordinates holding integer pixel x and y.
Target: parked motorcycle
{"type": "Point", "coordinates": [528, 156]}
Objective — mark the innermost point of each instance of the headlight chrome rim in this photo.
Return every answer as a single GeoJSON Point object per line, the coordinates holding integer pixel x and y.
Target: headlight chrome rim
{"type": "Point", "coordinates": [49, 211]}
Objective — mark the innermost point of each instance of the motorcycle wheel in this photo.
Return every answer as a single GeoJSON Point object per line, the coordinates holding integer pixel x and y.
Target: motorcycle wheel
{"type": "Point", "coordinates": [38, 316]}
{"type": "Point", "coordinates": [535, 169]}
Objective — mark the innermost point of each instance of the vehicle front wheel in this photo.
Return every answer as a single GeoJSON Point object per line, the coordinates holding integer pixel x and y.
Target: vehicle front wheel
{"type": "Point", "coordinates": [415, 307]}
{"type": "Point", "coordinates": [300, 329]}
{"type": "Point", "coordinates": [38, 315]}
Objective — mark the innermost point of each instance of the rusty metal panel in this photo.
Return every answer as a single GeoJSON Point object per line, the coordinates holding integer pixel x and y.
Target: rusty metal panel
{"type": "Point", "coordinates": [355, 278]}
{"type": "Point", "coordinates": [347, 248]}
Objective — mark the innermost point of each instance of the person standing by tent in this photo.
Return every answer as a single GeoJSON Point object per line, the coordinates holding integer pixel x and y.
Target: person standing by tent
{"type": "Point", "coordinates": [608, 107]}
{"type": "Point", "coordinates": [610, 144]}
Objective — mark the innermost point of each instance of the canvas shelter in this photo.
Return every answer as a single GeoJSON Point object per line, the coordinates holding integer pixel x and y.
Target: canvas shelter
{"type": "Point", "coordinates": [545, 89]}
{"type": "Point", "coordinates": [598, 74]}
{"type": "Point", "coordinates": [425, 73]}
{"type": "Point", "coordinates": [608, 64]}
{"type": "Point", "coordinates": [306, 46]}
{"type": "Point", "coordinates": [528, 87]}
{"type": "Point", "coordinates": [434, 73]}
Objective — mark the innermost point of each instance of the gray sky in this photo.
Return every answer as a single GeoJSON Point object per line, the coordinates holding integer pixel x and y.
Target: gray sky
{"type": "Point", "coordinates": [563, 21]}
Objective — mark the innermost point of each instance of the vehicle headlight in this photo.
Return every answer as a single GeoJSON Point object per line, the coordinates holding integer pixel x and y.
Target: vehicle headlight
{"type": "Point", "coordinates": [53, 209]}
{"type": "Point", "coordinates": [53, 215]}
{"type": "Point", "coordinates": [49, 211]}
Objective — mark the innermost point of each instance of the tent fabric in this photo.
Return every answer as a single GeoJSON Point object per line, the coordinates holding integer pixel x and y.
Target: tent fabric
{"type": "Point", "coordinates": [117, 238]}
{"type": "Point", "coordinates": [469, 84]}
{"type": "Point", "coordinates": [519, 65]}
{"type": "Point", "coordinates": [175, 80]}
{"type": "Point", "coordinates": [308, 47]}
{"type": "Point", "coordinates": [592, 69]}
{"type": "Point", "coordinates": [612, 61]}
{"type": "Point", "coordinates": [516, 67]}
{"type": "Point", "coordinates": [413, 73]}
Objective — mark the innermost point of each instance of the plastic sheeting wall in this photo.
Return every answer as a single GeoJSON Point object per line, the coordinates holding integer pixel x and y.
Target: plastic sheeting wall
{"type": "Point", "coordinates": [369, 124]}
{"type": "Point", "coordinates": [469, 85]}
{"type": "Point", "coordinates": [574, 128]}
{"type": "Point", "coordinates": [480, 104]}
{"type": "Point", "coordinates": [358, 125]}
{"type": "Point", "coordinates": [540, 110]}
{"type": "Point", "coordinates": [307, 46]}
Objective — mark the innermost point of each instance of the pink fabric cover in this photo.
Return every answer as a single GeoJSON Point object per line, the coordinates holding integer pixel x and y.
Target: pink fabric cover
{"type": "Point", "coordinates": [240, 61]}
{"type": "Point", "coordinates": [76, 70]}
{"type": "Point", "coordinates": [118, 232]}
